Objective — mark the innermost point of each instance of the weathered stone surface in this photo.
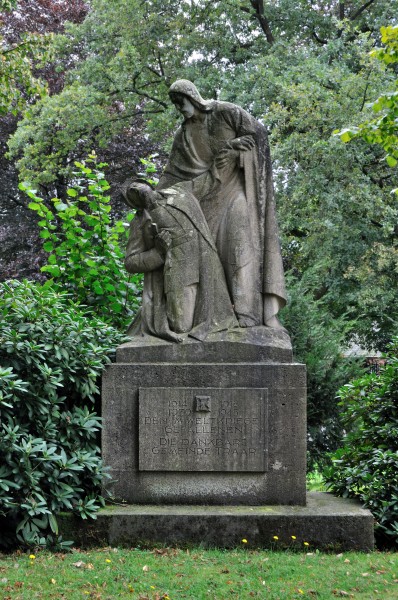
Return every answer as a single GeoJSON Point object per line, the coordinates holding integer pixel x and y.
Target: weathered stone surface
{"type": "Point", "coordinates": [221, 154]}
{"type": "Point", "coordinates": [207, 238]}
{"type": "Point", "coordinates": [250, 344]}
{"type": "Point", "coordinates": [185, 292]}
{"type": "Point", "coordinates": [282, 483]}
{"type": "Point", "coordinates": [326, 522]}
{"type": "Point", "coordinates": [206, 429]}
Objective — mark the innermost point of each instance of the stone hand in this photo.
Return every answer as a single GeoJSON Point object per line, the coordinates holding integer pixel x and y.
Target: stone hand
{"type": "Point", "coordinates": [225, 157]}
{"type": "Point", "coordinates": [163, 241]}
{"type": "Point", "coordinates": [243, 143]}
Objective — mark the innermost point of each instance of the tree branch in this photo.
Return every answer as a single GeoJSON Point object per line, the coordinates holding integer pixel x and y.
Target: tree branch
{"type": "Point", "coordinates": [14, 48]}
{"type": "Point", "coordinates": [136, 90]}
{"type": "Point", "coordinates": [341, 10]}
{"type": "Point", "coordinates": [361, 9]}
{"type": "Point", "coordinates": [318, 39]}
{"type": "Point", "coordinates": [364, 96]}
{"type": "Point", "coordinates": [258, 6]}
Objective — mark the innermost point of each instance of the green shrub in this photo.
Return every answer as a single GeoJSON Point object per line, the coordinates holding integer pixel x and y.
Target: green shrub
{"type": "Point", "coordinates": [52, 353]}
{"type": "Point", "coordinates": [367, 467]}
{"type": "Point", "coordinates": [86, 253]}
{"type": "Point", "coordinates": [318, 339]}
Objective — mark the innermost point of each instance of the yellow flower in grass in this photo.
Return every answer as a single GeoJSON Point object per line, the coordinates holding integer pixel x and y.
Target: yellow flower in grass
{"type": "Point", "coordinates": [244, 541]}
{"type": "Point", "coordinates": [107, 560]}
{"type": "Point", "coordinates": [293, 537]}
{"type": "Point", "coordinates": [32, 556]}
{"type": "Point", "coordinates": [275, 538]}
{"type": "Point", "coordinates": [306, 544]}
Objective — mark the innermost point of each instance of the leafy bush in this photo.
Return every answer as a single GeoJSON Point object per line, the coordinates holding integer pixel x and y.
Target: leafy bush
{"type": "Point", "coordinates": [52, 353]}
{"type": "Point", "coordinates": [86, 256]}
{"type": "Point", "coordinates": [318, 339]}
{"type": "Point", "coordinates": [367, 467]}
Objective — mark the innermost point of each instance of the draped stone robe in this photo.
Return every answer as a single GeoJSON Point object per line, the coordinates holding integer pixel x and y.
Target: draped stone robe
{"type": "Point", "coordinates": [191, 258]}
{"type": "Point", "coordinates": [237, 202]}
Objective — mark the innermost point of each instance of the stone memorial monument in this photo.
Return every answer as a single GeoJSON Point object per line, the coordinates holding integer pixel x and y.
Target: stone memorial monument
{"type": "Point", "coordinates": [205, 406]}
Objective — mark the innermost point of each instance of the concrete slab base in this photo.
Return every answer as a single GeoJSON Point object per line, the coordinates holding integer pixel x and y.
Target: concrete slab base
{"type": "Point", "coordinates": [326, 522]}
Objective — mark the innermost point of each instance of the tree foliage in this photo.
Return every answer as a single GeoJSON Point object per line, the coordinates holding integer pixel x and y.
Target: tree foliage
{"type": "Point", "coordinates": [303, 69]}
{"type": "Point", "coordinates": [17, 79]}
{"type": "Point", "coordinates": [317, 339]}
{"type": "Point", "coordinates": [383, 129]}
{"type": "Point", "coordinates": [20, 254]}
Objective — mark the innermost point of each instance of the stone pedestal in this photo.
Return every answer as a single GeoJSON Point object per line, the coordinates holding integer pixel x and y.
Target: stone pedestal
{"type": "Point", "coordinates": [220, 422]}
{"type": "Point", "coordinates": [326, 522]}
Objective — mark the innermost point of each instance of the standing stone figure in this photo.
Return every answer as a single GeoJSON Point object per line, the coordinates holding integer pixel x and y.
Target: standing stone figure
{"type": "Point", "coordinates": [221, 153]}
{"type": "Point", "coordinates": [185, 291]}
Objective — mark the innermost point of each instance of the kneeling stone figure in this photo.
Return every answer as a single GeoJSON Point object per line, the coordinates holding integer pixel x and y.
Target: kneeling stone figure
{"type": "Point", "coordinates": [185, 290]}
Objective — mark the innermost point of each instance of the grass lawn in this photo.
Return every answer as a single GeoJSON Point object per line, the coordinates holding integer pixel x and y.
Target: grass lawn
{"type": "Point", "coordinates": [111, 573]}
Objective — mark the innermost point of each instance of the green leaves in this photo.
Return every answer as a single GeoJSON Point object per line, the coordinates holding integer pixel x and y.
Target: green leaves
{"type": "Point", "coordinates": [383, 129]}
{"type": "Point", "coordinates": [391, 161]}
{"type": "Point", "coordinates": [18, 84]}
{"type": "Point", "coordinates": [85, 247]}
{"type": "Point", "coordinates": [52, 354]}
{"type": "Point", "coordinates": [346, 134]}
{"type": "Point", "coordinates": [367, 466]}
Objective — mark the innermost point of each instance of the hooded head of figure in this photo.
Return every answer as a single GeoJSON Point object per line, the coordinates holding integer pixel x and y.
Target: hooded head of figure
{"type": "Point", "coordinates": [183, 87]}
{"type": "Point", "coordinates": [138, 194]}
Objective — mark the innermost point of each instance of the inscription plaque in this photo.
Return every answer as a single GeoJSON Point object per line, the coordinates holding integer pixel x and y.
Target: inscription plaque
{"type": "Point", "coordinates": [207, 429]}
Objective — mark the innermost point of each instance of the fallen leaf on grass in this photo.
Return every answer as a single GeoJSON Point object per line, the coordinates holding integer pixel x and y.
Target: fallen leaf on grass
{"type": "Point", "coordinates": [79, 564]}
{"type": "Point", "coordinates": [145, 568]}
{"type": "Point", "coordinates": [365, 574]}
{"type": "Point", "coordinates": [224, 571]}
{"type": "Point", "coordinates": [380, 572]}
{"type": "Point", "coordinates": [347, 560]}
{"type": "Point", "coordinates": [166, 551]}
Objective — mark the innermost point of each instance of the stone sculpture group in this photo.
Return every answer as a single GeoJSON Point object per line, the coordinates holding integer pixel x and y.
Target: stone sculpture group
{"type": "Point", "coordinates": [207, 238]}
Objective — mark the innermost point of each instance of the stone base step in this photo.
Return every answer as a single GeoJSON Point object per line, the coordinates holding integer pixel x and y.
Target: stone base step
{"type": "Point", "coordinates": [326, 522]}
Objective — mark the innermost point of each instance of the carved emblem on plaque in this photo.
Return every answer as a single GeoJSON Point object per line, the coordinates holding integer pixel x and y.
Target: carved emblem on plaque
{"type": "Point", "coordinates": [202, 403]}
